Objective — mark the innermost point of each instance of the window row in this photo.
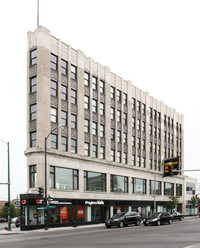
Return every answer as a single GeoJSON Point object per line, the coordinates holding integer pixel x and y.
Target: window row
{"type": "Point", "coordinates": [68, 179]}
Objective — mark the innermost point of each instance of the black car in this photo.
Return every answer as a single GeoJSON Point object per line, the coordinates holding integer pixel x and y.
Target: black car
{"type": "Point", "coordinates": [123, 219]}
{"type": "Point", "coordinates": [18, 222]}
{"type": "Point", "coordinates": [158, 218]}
{"type": "Point", "coordinates": [177, 216]}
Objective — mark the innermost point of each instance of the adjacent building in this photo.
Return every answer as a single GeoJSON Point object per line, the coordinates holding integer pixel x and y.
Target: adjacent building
{"type": "Point", "coordinates": [108, 155]}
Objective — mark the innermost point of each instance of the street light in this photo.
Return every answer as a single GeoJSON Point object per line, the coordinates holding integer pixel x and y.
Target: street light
{"type": "Point", "coordinates": [45, 164]}
{"type": "Point", "coordinates": [9, 210]}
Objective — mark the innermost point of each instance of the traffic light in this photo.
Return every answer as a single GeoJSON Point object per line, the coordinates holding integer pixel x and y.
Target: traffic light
{"type": "Point", "coordinates": [7, 204]}
{"type": "Point", "coordinates": [40, 191]}
{"type": "Point", "coordinates": [170, 170]}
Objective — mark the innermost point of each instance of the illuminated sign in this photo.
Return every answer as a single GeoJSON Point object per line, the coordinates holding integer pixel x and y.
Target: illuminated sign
{"type": "Point", "coordinates": [171, 166]}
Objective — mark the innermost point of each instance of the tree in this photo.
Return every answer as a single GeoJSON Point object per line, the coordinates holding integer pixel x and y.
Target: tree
{"type": "Point", "coordinates": [194, 201]}
{"type": "Point", "coordinates": [173, 201]}
{"type": "Point", "coordinates": [4, 212]}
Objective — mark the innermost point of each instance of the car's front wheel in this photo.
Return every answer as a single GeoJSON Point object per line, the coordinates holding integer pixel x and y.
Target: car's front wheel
{"type": "Point", "coordinates": [121, 224]}
{"type": "Point", "coordinates": [170, 221]}
{"type": "Point", "coordinates": [158, 223]}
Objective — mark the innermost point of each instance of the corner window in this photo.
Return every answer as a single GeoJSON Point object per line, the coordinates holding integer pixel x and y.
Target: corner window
{"type": "Point", "coordinates": [32, 176]}
{"type": "Point", "coordinates": [54, 62]}
{"type": "Point", "coordinates": [33, 112]}
{"type": "Point", "coordinates": [33, 57]}
{"type": "Point", "coordinates": [33, 139]}
{"type": "Point", "coordinates": [33, 84]}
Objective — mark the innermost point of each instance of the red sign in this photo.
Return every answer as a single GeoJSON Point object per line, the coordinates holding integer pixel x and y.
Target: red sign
{"type": "Point", "coordinates": [80, 212]}
{"type": "Point", "coordinates": [63, 212]}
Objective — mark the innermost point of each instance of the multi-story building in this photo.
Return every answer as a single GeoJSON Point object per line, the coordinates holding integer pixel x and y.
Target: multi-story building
{"type": "Point", "coordinates": [109, 153]}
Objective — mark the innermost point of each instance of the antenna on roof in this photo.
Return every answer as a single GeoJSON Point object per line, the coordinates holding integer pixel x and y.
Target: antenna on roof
{"type": "Point", "coordinates": [37, 13]}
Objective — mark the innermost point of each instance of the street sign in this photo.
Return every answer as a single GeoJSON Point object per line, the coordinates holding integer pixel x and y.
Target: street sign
{"type": "Point", "coordinates": [51, 206]}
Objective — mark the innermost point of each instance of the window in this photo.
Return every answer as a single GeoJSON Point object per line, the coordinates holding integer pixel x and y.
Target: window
{"type": "Point", "coordinates": [63, 178]}
{"type": "Point", "coordinates": [54, 62]}
{"type": "Point", "coordinates": [119, 184]}
{"type": "Point", "coordinates": [138, 161]}
{"type": "Point", "coordinates": [155, 185]}
{"type": "Point", "coordinates": [150, 129]}
{"type": "Point", "coordinates": [86, 79]}
{"type": "Point", "coordinates": [33, 139]}
{"type": "Point", "coordinates": [143, 126]}
{"type": "Point", "coordinates": [133, 159]}
{"type": "Point", "coordinates": [63, 67]}
{"type": "Point", "coordinates": [102, 87]}
{"type": "Point", "coordinates": [154, 114]}
{"type": "Point", "coordinates": [125, 138]}
{"type": "Point", "coordinates": [32, 176]}
{"type": "Point", "coordinates": [73, 72]}
{"type": "Point", "coordinates": [125, 158]}
{"type": "Point", "coordinates": [133, 141]}
{"type": "Point", "coordinates": [150, 146]}
{"type": "Point", "coordinates": [73, 146]}
{"type": "Point", "coordinates": [168, 189]}
{"type": "Point", "coordinates": [63, 92]}
{"type": "Point", "coordinates": [112, 134]}
{"type": "Point", "coordinates": [73, 96]}
{"type": "Point", "coordinates": [112, 113]}
{"type": "Point", "coordinates": [94, 181]}
{"type": "Point", "coordinates": [94, 105]}
{"type": "Point", "coordinates": [64, 144]}
{"type": "Point", "coordinates": [125, 99]}
{"type": "Point", "coordinates": [102, 152]}
{"type": "Point", "coordinates": [86, 102]}
{"type": "Point", "coordinates": [33, 112]}
{"type": "Point", "coordinates": [159, 119]}
{"type": "Point", "coordinates": [143, 109]}
{"type": "Point", "coordinates": [112, 92]}
{"type": "Point", "coordinates": [124, 118]}
{"type": "Point", "coordinates": [154, 131]}
{"type": "Point", "coordinates": [94, 128]}
{"type": "Point", "coordinates": [143, 162]}
{"type": "Point", "coordinates": [64, 118]}
{"type": "Point", "coordinates": [133, 122]}
{"type": "Point", "coordinates": [33, 57]}
{"type": "Point", "coordinates": [54, 88]}
{"type": "Point", "coordinates": [143, 145]}
{"type": "Point", "coordinates": [94, 151]}
{"type": "Point", "coordinates": [112, 155]}
{"type": "Point", "coordinates": [102, 131]}
{"type": "Point", "coordinates": [102, 108]}
{"type": "Point", "coordinates": [54, 115]}
{"type": "Point", "coordinates": [33, 84]}
{"type": "Point", "coordinates": [73, 121]}
{"type": "Point", "coordinates": [86, 126]}
{"type": "Point", "coordinates": [119, 136]}
{"type": "Point", "coordinates": [138, 125]}
{"type": "Point", "coordinates": [94, 83]}
{"type": "Point", "coordinates": [119, 156]}
{"type": "Point", "coordinates": [133, 103]}
{"type": "Point", "coordinates": [118, 95]}
{"type": "Point", "coordinates": [86, 149]}
{"type": "Point", "coordinates": [138, 186]}
{"type": "Point", "coordinates": [118, 115]}
{"type": "Point", "coordinates": [179, 190]}
{"type": "Point", "coordinates": [138, 143]}
{"type": "Point", "coordinates": [54, 141]}
{"type": "Point", "coordinates": [138, 106]}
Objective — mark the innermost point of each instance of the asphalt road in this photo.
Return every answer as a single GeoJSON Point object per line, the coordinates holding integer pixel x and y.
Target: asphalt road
{"type": "Point", "coordinates": [177, 235]}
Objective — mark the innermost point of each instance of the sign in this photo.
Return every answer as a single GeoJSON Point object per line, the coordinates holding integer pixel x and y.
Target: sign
{"type": "Point", "coordinates": [51, 206]}
{"type": "Point", "coordinates": [80, 212]}
{"type": "Point", "coordinates": [171, 165]}
{"type": "Point", "coordinates": [94, 203]}
{"type": "Point", "coordinates": [63, 212]}
{"type": "Point", "coordinates": [41, 208]}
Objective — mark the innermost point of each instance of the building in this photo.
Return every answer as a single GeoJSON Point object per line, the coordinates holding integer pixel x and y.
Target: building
{"type": "Point", "coordinates": [109, 154]}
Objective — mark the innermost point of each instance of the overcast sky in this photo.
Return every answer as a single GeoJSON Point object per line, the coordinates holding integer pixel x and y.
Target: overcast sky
{"type": "Point", "coordinates": [153, 43]}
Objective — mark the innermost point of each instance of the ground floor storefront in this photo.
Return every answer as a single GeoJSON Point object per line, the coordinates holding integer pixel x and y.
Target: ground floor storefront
{"type": "Point", "coordinates": [71, 212]}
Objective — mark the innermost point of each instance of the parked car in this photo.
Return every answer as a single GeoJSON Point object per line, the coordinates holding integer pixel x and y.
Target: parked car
{"type": "Point", "coordinates": [123, 219]}
{"type": "Point", "coordinates": [177, 216]}
{"type": "Point", "coordinates": [158, 218]}
{"type": "Point", "coordinates": [18, 222]}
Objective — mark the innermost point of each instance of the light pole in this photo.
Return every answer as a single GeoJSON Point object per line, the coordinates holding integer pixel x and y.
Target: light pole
{"type": "Point", "coordinates": [45, 164]}
{"type": "Point", "coordinates": [9, 212]}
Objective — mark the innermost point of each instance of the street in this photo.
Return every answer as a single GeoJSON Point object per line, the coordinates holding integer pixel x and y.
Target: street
{"type": "Point", "coordinates": [178, 234]}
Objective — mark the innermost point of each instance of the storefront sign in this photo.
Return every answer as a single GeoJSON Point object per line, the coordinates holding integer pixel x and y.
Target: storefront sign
{"type": "Point", "coordinates": [63, 212]}
{"type": "Point", "coordinates": [80, 212]}
{"type": "Point", "coordinates": [94, 203]}
{"type": "Point", "coordinates": [60, 203]}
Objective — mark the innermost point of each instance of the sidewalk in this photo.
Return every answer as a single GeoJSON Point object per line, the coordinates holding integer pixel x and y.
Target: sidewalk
{"type": "Point", "coordinates": [16, 230]}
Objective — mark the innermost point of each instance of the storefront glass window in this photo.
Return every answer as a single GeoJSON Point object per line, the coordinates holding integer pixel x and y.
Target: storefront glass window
{"type": "Point", "coordinates": [139, 186]}
{"type": "Point", "coordinates": [119, 184]}
{"type": "Point", "coordinates": [94, 181]}
{"type": "Point", "coordinates": [62, 178]}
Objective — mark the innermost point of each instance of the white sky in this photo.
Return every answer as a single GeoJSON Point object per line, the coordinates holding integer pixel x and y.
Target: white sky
{"type": "Point", "coordinates": [153, 43]}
